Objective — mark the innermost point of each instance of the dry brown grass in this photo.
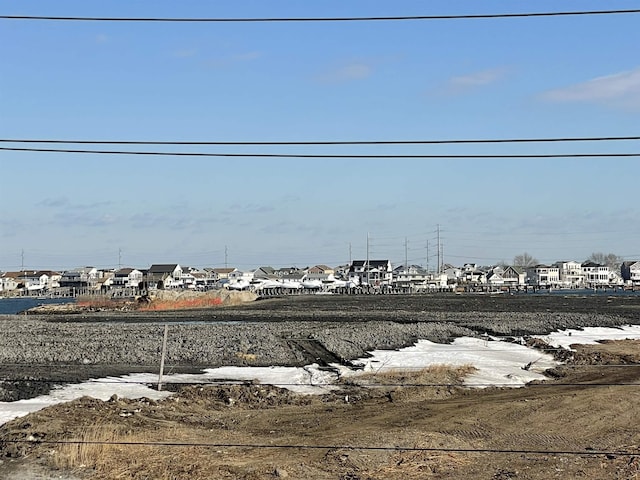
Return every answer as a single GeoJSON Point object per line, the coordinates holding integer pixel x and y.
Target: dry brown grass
{"type": "Point", "coordinates": [417, 464]}
{"type": "Point", "coordinates": [436, 381]}
{"type": "Point", "coordinates": [181, 304]}
{"type": "Point", "coordinates": [110, 452]}
{"type": "Point", "coordinates": [93, 448]}
{"type": "Point", "coordinates": [100, 302]}
{"type": "Point", "coordinates": [432, 375]}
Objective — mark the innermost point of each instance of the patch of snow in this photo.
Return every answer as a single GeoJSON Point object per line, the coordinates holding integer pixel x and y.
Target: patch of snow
{"type": "Point", "coordinates": [102, 389]}
{"type": "Point", "coordinates": [497, 363]}
{"type": "Point", "coordinates": [309, 379]}
{"type": "Point", "coordinates": [590, 335]}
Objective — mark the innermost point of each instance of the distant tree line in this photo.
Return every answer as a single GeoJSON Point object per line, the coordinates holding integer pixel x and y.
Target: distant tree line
{"type": "Point", "coordinates": [611, 260]}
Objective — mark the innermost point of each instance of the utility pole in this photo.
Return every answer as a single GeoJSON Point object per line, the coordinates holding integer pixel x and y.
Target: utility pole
{"type": "Point", "coordinates": [367, 262]}
{"type": "Point", "coordinates": [406, 255]}
{"type": "Point", "coordinates": [164, 354]}
{"type": "Point", "coordinates": [226, 257]}
{"type": "Point", "coordinates": [119, 258]}
{"type": "Point", "coordinates": [441, 256]}
{"type": "Point", "coordinates": [438, 269]}
{"type": "Point", "coordinates": [350, 261]}
{"type": "Point", "coordinates": [24, 273]}
{"type": "Point", "coordinates": [427, 265]}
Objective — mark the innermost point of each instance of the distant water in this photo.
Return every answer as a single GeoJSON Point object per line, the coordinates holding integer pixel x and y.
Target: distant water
{"type": "Point", "coordinates": [12, 306]}
{"type": "Point", "coordinates": [610, 292]}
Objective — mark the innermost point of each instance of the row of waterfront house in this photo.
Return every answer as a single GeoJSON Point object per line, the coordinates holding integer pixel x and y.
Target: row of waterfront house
{"type": "Point", "coordinates": [360, 274]}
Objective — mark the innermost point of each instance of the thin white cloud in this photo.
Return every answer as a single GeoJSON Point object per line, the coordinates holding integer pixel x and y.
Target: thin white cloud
{"type": "Point", "coordinates": [83, 220]}
{"type": "Point", "coordinates": [101, 38]}
{"type": "Point", "coordinates": [184, 53]}
{"type": "Point", "coordinates": [347, 73]}
{"type": "Point", "coordinates": [482, 78]}
{"type": "Point", "coordinates": [64, 203]}
{"type": "Point", "coordinates": [619, 89]}
{"type": "Point", "coordinates": [54, 202]}
{"type": "Point", "coordinates": [249, 208]}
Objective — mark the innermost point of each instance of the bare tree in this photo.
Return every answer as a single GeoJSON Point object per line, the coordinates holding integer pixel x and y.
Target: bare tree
{"type": "Point", "coordinates": [611, 260]}
{"type": "Point", "coordinates": [524, 260]}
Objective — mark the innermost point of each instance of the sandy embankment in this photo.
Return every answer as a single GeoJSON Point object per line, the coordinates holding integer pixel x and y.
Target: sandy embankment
{"type": "Point", "coordinates": [160, 300]}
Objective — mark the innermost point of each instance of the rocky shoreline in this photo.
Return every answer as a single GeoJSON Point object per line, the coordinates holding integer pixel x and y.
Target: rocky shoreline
{"type": "Point", "coordinates": [49, 349]}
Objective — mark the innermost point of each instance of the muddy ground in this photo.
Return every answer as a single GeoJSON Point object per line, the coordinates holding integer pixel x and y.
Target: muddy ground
{"type": "Point", "coordinates": [582, 423]}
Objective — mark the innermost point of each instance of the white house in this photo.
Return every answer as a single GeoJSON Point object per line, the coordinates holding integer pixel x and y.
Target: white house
{"type": "Point", "coordinates": [322, 273]}
{"type": "Point", "coordinates": [8, 283]}
{"type": "Point", "coordinates": [543, 275]}
{"type": "Point", "coordinates": [220, 273]}
{"type": "Point", "coordinates": [165, 275]}
{"type": "Point", "coordinates": [571, 273]}
{"type": "Point", "coordinates": [440, 281]}
{"type": "Point", "coordinates": [472, 275]}
{"type": "Point", "coordinates": [371, 272]}
{"type": "Point", "coordinates": [240, 277]}
{"type": "Point", "coordinates": [31, 280]}
{"type": "Point", "coordinates": [127, 277]}
{"type": "Point", "coordinates": [453, 273]}
{"type": "Point", "coordinates": [513, 276]}
{"type": "Point", "coordinates": [495, 278]}
{"type": "Point", "coordinates": [414, 277]}
{"type": "Point", "coordinates": [79, 277]}
{"type": "Point", "coordinates": [595, 273]}
{"type": "Point", "coordinates": [630, 272]}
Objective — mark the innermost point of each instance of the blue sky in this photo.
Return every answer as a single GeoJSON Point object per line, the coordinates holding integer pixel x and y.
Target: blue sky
{"type": "Point", "coordinates": [412, 80]}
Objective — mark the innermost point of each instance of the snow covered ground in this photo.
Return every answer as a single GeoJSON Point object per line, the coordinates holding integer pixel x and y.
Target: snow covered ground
{"type": "Point", "coordinates": [498, 363]}
{"type": "Point", "coordinates": [591, 335]}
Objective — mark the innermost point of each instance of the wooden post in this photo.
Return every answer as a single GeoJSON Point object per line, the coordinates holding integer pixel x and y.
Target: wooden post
{"type": "Point", "coordinates": [164, 353]}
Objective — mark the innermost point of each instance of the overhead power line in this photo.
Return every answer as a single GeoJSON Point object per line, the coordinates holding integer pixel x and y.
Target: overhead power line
{"type": "Point", "coordinates": [328, 142]}
{"type": "Point", "coordinates": [312, 155]}
{"type": "Point", "coordinates": [167, 383]}
{"type": "Point", "coordinates": [272, 446]}
{"type": "Point", "coordinates": [321, 19]}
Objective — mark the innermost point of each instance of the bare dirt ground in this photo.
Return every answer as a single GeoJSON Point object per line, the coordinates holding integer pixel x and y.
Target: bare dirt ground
{"type": "Point", "coordinates": [582, 423]}
{"type": "Point", "coordinates": [262, 432]}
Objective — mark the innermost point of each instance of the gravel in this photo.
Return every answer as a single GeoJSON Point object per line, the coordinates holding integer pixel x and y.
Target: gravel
{"type": "Point", "coordinates": [291, 331]}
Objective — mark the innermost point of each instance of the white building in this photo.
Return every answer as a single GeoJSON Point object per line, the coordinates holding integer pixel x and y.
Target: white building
{"type": "Point", "coordinates": [165, 275]}
{"type": "Point", "coordinates": [371, 272]}
{"type": "Point", "coordinates": [630, 272]}
{"type": "Point", "coordinates": [127, 277]}
{"type": "Point", "coordinates": [595, 274]}
{"type": "Point", "coordinates": [571, 274]}
{"type": "Point", "coordinates": [543, 276]}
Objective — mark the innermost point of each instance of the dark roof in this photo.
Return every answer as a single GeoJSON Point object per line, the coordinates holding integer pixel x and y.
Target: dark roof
{"type": "Point", "coordinates": [222, 270]}
{"type": "Point", "coordinates": [163, 268]}
{"type": "Point", "coordinates": [591, 264]}
{"type": "Point", "coordinates": [518, 270]}
{"type": "Point", "coordinates": [373, 264]}
{"type": "Point", "coordinates": [286, 270]}
{"type": "Point", "coordinates": [268, 270]}
{"type": "Point", "coordinates": [123, 272]}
